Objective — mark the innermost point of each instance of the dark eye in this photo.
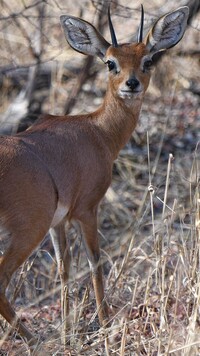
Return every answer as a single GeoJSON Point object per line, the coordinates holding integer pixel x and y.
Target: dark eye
{"type": "Point", "coordinates": [147, 65]}
{"type": "Point", "coordinates": [111, 65]}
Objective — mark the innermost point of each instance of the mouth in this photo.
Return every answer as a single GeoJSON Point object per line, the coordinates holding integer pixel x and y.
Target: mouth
{"type": "Point", "coordinates": [129, 93]}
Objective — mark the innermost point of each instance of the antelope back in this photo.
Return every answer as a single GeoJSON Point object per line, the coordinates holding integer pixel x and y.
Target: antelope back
{"type": "Point", "coordinates": [61, 167]}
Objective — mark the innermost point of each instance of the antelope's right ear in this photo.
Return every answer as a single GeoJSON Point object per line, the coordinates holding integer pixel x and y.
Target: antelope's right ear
{"type": "Point", "coordinates": [83, 37]}
{"type": "Point", "coordinates": [168, 30]}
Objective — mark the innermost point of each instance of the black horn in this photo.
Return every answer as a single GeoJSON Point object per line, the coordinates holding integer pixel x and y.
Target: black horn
{"type": "Point", "coordinates": [140, 30]}
{"type": "Point", "coordinates": [112, 32]}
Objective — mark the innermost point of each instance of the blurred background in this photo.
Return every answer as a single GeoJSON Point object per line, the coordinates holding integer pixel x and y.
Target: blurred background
{"type": "Point", "coordinates": [149, 220]}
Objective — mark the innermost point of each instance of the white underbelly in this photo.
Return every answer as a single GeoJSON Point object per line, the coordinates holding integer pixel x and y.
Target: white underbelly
{"type": "Point", "coordinates": [60, 213]}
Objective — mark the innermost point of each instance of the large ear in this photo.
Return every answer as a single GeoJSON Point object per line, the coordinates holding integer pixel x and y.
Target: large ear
{"type": "Point", "coordinates": [168, 30]}
{"type": "Point", "coordinates": [83, 37]}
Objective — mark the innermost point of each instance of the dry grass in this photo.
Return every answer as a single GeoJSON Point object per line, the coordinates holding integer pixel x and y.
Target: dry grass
{"type": "Point", "coordinates": [149, 225]}
{"type": "Point", "coordinates": [150, 234]}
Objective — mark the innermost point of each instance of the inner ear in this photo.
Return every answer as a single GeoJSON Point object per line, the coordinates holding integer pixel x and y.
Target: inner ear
{"type": "Point", "coordinates": [83, 36]}
{"type": "Point", "coordinates": [168, 30]}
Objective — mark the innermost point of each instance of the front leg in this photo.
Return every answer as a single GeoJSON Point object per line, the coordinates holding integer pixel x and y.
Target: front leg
{"type": "Point", "coordinates": [91, 242]}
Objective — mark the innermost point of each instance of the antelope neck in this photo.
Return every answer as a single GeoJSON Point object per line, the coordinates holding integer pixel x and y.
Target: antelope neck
{"type": "Point", "coordinates": [117, 121]}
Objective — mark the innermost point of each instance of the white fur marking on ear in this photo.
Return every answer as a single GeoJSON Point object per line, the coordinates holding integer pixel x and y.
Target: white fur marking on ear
{"type": "Point", "coordinates": [168, 30]}
{"type": "Point", "coordinates": [83, 36]}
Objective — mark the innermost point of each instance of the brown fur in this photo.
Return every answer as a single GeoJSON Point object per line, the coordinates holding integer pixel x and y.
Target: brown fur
{"type": "Point", "coordinates": [67, 160]}
{"type": "Point", "coordinates": [61, 167]}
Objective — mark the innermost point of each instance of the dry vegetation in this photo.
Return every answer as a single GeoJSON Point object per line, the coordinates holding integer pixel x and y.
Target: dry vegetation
{"type": "Point", "coordinates": [149, 221]}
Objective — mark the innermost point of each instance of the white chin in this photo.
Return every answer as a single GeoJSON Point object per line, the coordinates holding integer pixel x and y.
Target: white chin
{"type": "Point", "coordinates": [130, 95]}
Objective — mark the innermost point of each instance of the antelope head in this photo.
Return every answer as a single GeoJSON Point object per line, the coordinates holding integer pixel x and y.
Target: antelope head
{"type": "Point", "coordinates": [129, 64]}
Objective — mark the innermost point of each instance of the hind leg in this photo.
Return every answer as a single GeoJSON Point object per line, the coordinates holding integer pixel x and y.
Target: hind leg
{"type": "Point", "coordinates": [16, 254]}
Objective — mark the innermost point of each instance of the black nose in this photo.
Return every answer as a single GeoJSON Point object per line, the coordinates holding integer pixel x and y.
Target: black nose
{"type": "Point", "coordinates": [132, 83]}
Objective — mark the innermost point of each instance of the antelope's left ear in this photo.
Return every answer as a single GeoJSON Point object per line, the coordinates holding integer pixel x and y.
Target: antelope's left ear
{"type": "Point", "coordinates": [167, 31]}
